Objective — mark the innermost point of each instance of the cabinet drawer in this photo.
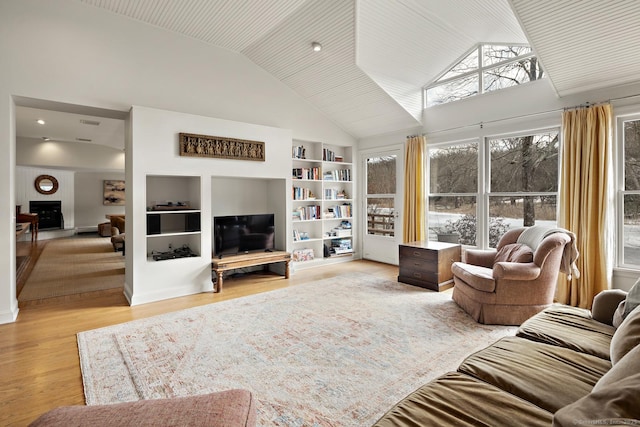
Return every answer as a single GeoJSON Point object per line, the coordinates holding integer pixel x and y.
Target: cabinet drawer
{"type": "Point", "coordinates": [418, 253]}
{"type": "Point", "coordinates": [419, 264]}
{"type": "Point", "coordinates": [423, 276]}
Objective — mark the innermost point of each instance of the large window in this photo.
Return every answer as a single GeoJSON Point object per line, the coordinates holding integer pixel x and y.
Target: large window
{"type": "Point", "coordinates": [521, 188]}
{"type": "Point", "coordinates": [485, 68]}
{"type": "Point", "coordinates": [630, 193]}
{"type": "Point", "coordinates": [453, 192]}
{"type": "Point", "coordinates": [524, 181]}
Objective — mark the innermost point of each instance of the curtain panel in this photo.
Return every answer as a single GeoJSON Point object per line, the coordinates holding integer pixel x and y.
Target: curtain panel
{"type": "Point", "coordinates": [585, 199]}
{"type": "Point", "coordinates": [414, 197]}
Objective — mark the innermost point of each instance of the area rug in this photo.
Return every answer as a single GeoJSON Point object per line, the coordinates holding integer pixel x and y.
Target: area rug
{"type": "Point", "coordinates": [74, 265]}
{"type": "Point", "coordinates": [336, 352]}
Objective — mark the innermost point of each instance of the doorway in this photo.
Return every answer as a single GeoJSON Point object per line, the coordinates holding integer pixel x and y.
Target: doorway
{"type": "Point", "coordinates": [81, 146]}
{"type": "Point", "coordinates": [383, 205]}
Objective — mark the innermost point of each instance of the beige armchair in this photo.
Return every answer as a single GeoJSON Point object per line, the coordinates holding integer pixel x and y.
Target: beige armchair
{"type": "Point", "coordinates": [117, 232]}
{"type": "Point", "coordinates": [512, 283]}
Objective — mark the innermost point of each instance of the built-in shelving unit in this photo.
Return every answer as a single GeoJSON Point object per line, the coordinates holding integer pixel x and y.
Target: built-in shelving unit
{"type": "Point", "coordinates": [173, 216]}
{"type": "Point", "coordinates": [323, 200]}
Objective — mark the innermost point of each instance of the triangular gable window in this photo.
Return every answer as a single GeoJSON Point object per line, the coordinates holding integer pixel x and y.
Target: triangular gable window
{"type": "Point", "coordinates": [485, 68]}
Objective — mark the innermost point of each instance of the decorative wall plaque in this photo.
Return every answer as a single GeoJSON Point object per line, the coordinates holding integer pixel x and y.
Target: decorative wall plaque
{"type": "Point", "coordinates": [220, 147]}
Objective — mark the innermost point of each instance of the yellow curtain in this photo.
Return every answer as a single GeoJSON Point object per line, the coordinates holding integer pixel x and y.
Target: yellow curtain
{"type": "Point", "coordinates": [414, 206]}
{"type": "Point", "coordinates": [584, 199]}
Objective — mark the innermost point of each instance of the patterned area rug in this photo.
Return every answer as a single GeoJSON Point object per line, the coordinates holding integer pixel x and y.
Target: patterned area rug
{"type": "Point", "coordinates": [337, 352]}
{"type": "Point", "coordinates": [73, 266]}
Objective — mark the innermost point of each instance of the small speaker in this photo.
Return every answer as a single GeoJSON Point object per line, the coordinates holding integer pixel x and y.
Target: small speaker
{"type": "Point", "coordinates": [192, 222]}
{"type": "Point", "coordinates": [153, 224]}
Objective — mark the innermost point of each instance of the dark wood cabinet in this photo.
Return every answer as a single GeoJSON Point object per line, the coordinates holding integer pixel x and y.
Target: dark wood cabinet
{"type": "Point", "coordinates": [428, 264]}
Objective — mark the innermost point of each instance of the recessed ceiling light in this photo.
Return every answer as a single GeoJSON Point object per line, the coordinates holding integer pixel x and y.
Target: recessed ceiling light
{"type": "Point", "coordinates": [40, 121]}
{"type": "Point", "coordinates": [317, 47]}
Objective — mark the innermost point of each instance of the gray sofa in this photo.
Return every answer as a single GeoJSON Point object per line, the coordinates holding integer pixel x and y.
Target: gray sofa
{"type": "Point", "coordinates": [565, 366]}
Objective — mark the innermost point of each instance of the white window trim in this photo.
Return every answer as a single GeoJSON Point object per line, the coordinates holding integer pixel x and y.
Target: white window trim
{"type": "Point", "coordinates": [620, 191]}
{"type": "Point", "coordinates": [479, 71]}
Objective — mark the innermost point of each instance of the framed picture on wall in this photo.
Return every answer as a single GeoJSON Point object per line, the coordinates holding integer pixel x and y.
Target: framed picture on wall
{"type": "Point", "coordinates": [113, 193]}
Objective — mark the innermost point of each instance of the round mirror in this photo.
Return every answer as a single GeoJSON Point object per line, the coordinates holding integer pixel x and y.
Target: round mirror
{"type": "Point", "coordinates": [46, 184]}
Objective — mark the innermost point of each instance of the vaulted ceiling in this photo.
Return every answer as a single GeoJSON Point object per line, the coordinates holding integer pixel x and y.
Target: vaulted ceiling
{"type": "Point", "coordinates": [378, 54]}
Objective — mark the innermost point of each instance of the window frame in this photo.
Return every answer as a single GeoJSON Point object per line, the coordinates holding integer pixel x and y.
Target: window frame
{"type": "Point", "coordinates": [479, 71]}
{"type": "Point", "coordinates": [477, 194]}
{"type": "Point", "coordinates": [484, 193]}
{"type": "Point", "coordinates": [489, 193]}
{"type": "Point", "coordinates": [621, 191]}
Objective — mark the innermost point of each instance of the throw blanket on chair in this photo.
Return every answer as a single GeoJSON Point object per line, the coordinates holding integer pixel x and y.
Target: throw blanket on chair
{"type": "Point", "coordinates": [532, 236]}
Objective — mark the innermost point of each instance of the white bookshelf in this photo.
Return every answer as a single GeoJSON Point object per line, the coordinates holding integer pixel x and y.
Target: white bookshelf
{"type": "Point", "coordinates": [323, 203]}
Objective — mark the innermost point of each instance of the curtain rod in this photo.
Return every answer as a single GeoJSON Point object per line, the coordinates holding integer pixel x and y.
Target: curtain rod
{"type": "Point", "coordinates": [412, 136]}
{"type": "Point", "coordinates": [585, 105]}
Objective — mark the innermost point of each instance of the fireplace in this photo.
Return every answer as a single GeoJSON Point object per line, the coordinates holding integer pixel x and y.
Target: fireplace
{"type": "Point", "coordinates": [49, 214]}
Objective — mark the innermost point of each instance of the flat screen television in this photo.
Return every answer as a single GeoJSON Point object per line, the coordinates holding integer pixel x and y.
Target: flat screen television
{"type": "Point", "coordinates": [236, 234]}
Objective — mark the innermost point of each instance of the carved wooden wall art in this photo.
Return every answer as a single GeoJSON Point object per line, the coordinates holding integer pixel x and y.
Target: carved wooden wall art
{"type": "Point", "coordinates": [219, 147]}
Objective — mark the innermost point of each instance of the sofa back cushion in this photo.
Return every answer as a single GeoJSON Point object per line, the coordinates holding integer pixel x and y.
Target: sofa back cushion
{"type": "Point", "coordinates": [626, 337]}
{"type": "Point", "coordinates": [514, 252]}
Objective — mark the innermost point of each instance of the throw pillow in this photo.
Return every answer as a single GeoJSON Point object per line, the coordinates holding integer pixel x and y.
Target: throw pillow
{"type": "Point", "coordinates": [514, 252]}
{"type": "Point", "coordinates": [626, 337]}
{"type": "Point", "coordinates": [628, 305]}
{"type": "Point", "coordinates": [614, 404]}
{"type": "Point", "coordinates": [629, 365]}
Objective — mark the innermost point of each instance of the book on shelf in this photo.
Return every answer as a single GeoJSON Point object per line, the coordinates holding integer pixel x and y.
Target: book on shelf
{"type": "Point", "coordinates": [299, 152]}
{"type": "Point", "coordinates": [306, 173]}
{"type": "Point", "coordinates": [303, 193]}
{"type": "Point", "coordinates": [300, 235]}
{"type": "Point", "coordinates": [328, 155]}
{"type": "Point", "coordinates": [340, 211]}
{"type": "Point", "coordinates": [333, 194]}
{"type": "Point", "coordinates": [337, 175]}
{"type": "Point", "coordinates": [305, 213]}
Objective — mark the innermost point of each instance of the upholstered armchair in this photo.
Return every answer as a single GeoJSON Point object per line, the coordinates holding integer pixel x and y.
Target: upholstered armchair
{"type": "Point", "coordinates": [514, 282]}
{"type": "Point", "coordinates": [117, 232]}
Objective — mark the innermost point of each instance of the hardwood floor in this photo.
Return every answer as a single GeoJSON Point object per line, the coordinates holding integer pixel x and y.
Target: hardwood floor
{"type": "Point", "coordinates": [39, 354]}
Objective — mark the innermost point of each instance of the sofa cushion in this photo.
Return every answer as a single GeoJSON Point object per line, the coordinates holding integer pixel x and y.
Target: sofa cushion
{"type": "Point", "coordinates": [514, 252]}
{"type": "Point", "coordinates": [480, 278]}
{"type": "Point", "coordinates": [626, 337]}
{"type": "Point", "coordinates": [460, 400]}
{"type": "Point", "coordinates": [613, 404]}
{"type": "Point", "coordinates": [547, 376]}
{"type": "Point", "coordinates": [222, 409]}
{"type": "Point", "coordinates": [569, 327]}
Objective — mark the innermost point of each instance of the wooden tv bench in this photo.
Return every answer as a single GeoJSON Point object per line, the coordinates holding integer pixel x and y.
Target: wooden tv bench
{"type": "Point", "coordinates": [231, 262]}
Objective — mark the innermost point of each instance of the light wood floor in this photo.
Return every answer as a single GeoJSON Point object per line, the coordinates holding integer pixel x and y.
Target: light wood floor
{"type": "Point", "coordinates": [39, 364]}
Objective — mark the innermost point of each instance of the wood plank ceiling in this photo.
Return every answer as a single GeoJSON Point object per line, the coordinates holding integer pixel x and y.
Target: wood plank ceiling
{"type": "Point", "coordinates": [378, 54]}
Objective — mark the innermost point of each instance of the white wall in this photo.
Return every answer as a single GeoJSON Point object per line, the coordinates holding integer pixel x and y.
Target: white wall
{"type": "Point", "coordinates": [69, 52]}
{"type": "Point", "coordinates": [90, 210]}
{"type": "Point", "coordinates": [154, 151]}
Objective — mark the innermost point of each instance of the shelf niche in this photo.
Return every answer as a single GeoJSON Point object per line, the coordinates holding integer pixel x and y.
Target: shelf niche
{"type": "Point", "coordinates": [173, 214]}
